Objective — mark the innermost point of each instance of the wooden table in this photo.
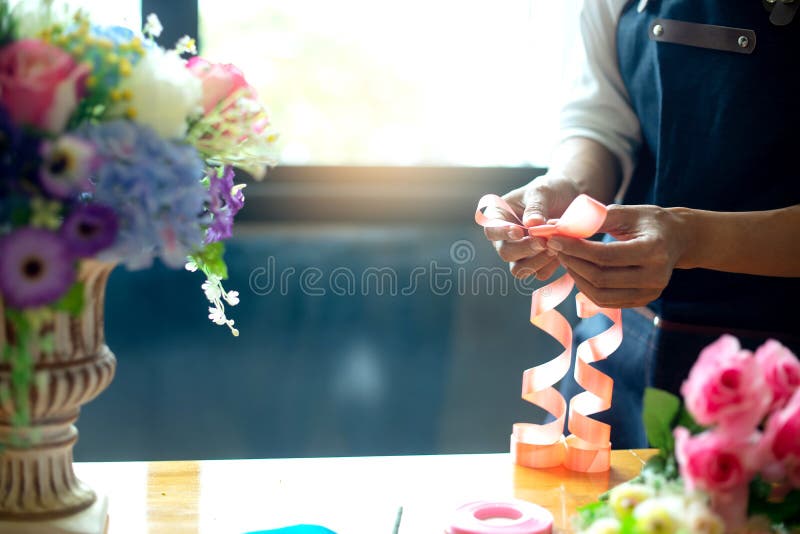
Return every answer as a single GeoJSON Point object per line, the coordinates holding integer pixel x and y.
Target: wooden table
{"type": "Point", "coordinates": [347, 495]}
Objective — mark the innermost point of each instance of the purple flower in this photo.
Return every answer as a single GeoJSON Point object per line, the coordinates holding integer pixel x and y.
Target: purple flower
{"type": "Point", "coordinates": [89, 229]}
{"type": "Point", "coordinates": [35, 267]}
{"type": "Point", "coordinates": [67, 164]}
{"type": "Point", "coordinates": [225, 201]}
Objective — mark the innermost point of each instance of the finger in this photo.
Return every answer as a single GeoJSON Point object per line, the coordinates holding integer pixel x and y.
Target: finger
{"type": "Point", "coordinates": [613, 298]}
{"type": "Point", "coordinates": [535, 212]}
{"type": "Point", "coordinates": [613, 254]}
{"type": "Point", "coordinates": [517, 250]}
{"type": "Point", "coordinates": [530, 266]}
{"type": "Point", "coordinates": [546, 272]}
{"type": "Point", "coordinates": [611, 277]}
{"type": "Point", "coordinates": [619, 219]}
{"type": "Point", "coordinates": [502, 233]}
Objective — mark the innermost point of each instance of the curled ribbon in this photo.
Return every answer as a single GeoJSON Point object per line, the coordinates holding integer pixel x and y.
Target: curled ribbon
{"type": "Point", "coordinates": [588, 448]}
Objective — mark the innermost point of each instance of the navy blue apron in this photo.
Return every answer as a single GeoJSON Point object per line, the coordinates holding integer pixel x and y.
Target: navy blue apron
{"type": "Point", "coordinates": [721, 132]}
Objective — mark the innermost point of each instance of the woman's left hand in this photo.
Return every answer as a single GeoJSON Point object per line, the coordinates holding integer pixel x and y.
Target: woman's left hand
{"type": "Point", "coordinates": [635, 269]}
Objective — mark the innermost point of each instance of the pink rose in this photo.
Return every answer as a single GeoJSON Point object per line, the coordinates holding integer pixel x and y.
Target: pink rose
{"type": "Point", "coordinates": [726, 387]}
{"type": "Point", "coordinates": [220, 81]}
{"type": "Point", "coordinates": [781, 370]}
{"type": "Point", "coordinates": [716, 460]}
{"type": "Point", "coordinates": [40, 84]}
{"type": "Point", "coordinates": [780, 446]}
{"type": "Point", "coordinates": [719, 462]}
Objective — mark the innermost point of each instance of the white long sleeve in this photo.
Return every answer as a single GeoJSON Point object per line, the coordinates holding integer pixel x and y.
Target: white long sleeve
{"type": "Point", "coordinates": [598, 107]}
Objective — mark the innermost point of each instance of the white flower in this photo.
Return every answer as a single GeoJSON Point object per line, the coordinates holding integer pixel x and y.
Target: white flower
{"type": "Point", "coordinates": [190, 266]}
{"type": "Point", "coordinates": [186, 45]}
{"type": "Point", "coordinates": [604, 525]}
{"type": "Point", "coordinates": [212, 290]}
{"type": "Point", "coordinates": [153, 26]}
{"type": "Point", "coordinates": [164, 94]}
{"type": "Point", "coordinates": [232, 297]}
{"type": "Point", "coordinates": [701, 520]}
{"type": "Point", "coordinates": [217, 316]}
{"type": "Point", "coordinates": [32, 18]}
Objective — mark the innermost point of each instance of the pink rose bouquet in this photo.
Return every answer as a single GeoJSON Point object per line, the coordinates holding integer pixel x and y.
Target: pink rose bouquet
{"type": "Point", "coordinates": [731, 447]}
{"type": "Point", "coordinates": [113, 148]}
{"type": "Point", "coordinates": [738, 434]}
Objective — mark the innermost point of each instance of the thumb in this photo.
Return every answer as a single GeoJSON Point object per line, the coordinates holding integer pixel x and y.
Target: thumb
{"type": "Point", "coordinates": [535, 211]}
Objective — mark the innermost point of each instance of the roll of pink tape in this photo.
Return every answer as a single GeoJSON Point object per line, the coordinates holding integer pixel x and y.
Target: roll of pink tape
{"type": "Point", "coordinates": [501, 517]}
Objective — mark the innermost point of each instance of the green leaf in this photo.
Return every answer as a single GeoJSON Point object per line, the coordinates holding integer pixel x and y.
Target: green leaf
{"type": "Point", "coordinates": [660, 410]}
{"type": "Point", "coordinates": [657, 464]}
{"type": "Point", "coordinates": [588, 514]}
{"type": "Point", "coordinates": [786, 511]}
{"type": "Point", "coordinates": [210, 260]}
{"type": "Point", "coordinates": [686, 420]}
{"type": "Point", "coordinates": [72, 301]}
{"type": "Point", "coordinates": [628, 525]}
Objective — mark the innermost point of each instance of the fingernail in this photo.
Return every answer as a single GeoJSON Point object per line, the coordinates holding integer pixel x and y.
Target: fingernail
{"type": "Point", "coordinates": [515, 233]}
{"type": "Point", "coordinates": [536, 245]}
{"type": "Point", "coordinates": [554, 245]}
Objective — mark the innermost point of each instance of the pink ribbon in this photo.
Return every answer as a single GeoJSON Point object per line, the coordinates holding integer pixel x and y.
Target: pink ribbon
{"type": "Point", "coordinates": [588, 448]}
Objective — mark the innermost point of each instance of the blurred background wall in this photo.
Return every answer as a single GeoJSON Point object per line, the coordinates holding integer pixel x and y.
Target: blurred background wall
{"type": "Point", "coordinates": [396, 330]}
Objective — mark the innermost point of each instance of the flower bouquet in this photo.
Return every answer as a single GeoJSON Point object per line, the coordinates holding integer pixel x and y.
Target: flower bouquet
{"type": "Point", "coordinates": [112, 150]}
{"type": "Point", "coordinates": [115, 149]}
{"type": "Point", "coordinates": [729, 451]}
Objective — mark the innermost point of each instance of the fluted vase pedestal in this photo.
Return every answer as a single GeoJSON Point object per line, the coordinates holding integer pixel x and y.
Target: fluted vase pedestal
{"type": "Point", "coordinates": [39, 492]}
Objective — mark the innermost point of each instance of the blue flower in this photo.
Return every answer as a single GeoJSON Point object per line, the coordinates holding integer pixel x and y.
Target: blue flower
{"type": "Point", "coordinates": [116, 34]}
{"type": "Point", "coordinates": [154, 187]}
{"type": "Point", "coordinates": [120, 40]}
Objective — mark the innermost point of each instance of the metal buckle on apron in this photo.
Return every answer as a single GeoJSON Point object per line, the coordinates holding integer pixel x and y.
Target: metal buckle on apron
{"type": "Point", "coordinates": [727, 39]}
{"type": "Point", "coordinates": [782, 12]}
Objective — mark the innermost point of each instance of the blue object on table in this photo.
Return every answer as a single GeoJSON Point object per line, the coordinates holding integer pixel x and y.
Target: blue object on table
{"type": "Point", "coordinates": [296, 529]}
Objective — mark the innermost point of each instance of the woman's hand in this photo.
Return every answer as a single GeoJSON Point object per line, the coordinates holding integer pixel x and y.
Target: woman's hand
{"type": "Point", "coordinates": [544, 198]}
{"type": "Point", "coordinates": [635, 269]}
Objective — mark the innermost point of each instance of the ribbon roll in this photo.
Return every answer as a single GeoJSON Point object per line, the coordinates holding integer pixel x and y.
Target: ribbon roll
{"type": "Point", "coordinates": [501, 517]}
{"type": "Point", "coordinates": [588, 449]}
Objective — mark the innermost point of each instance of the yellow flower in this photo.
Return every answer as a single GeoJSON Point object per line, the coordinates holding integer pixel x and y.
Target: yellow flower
{"type": "Point", "coordinates": [625, 497]}
{"type": "Point", "coordinates": [45, 213]}
{"type": "Point", "coordinates": [125, 67]}
{"type": "Point", "coordinates": [657, 516]}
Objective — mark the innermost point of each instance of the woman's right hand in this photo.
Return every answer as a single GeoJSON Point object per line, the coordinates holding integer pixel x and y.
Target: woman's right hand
{"type": "Point", "coordinates": [544, 198]}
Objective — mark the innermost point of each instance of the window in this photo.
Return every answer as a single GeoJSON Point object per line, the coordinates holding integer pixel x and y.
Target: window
{"type": "Point", "coordinates": [419, 82]}
{"type": "Point", "coordinates": [119, 12]}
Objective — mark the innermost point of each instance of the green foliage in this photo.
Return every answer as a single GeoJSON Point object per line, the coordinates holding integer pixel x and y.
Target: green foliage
{"type": "Point", "coordinates": [7, 25]}
{"type": "Point", "coordinates": [211, 260]}
{"type": "Point", "coordinates": [661, 409]}
{"type": "Point", "coordinates": [786, 511]}
{"type": "Point", "coordinates": [21, 362]}
{"type": "Point", "coordinates": [590, 513]}
{"type": "Point", "coordinates": [72, 301]}
{"type": "Point", "coordinates": [686, 420]}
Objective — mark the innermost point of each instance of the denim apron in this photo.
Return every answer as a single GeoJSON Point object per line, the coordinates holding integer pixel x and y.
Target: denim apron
{"type": "Point", "coordinates": [716, 87]}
